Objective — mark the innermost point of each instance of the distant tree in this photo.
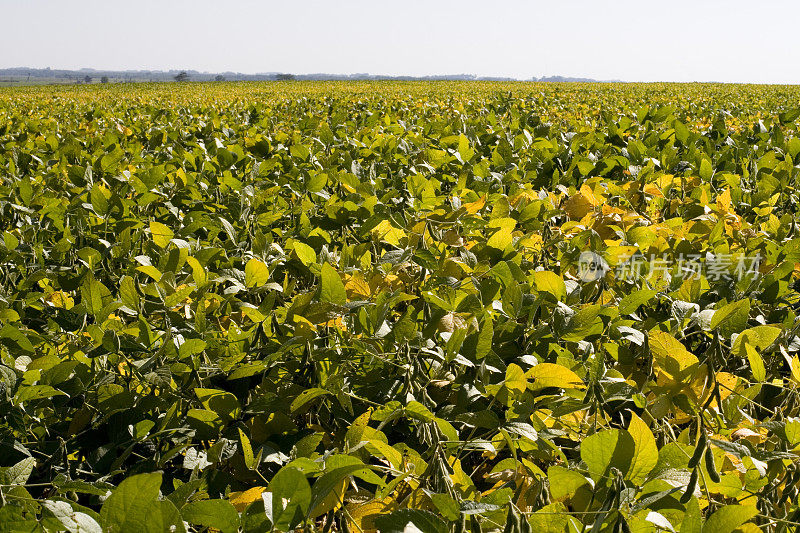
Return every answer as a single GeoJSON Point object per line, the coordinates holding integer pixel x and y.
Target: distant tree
{"type": "Point", "coordinates": [87, 79]}
{"type": "Point", "coordinates": [181, 76]}
{"type": "Point", "coordinates": [104, 79]}
{"type": "Point", "coordinates": [285, 77]}
{"type": "Point", "coordinates": [219, 77]}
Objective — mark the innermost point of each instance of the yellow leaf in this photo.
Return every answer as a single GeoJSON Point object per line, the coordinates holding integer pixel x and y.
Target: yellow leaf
{"type": "Point", "coordinates": [578, 206]}
{"type": "Point", "coordinates": [795, 367]}
{"type": "Point", "coordinates": [474, 207]}
{"type": "Point", "coordinates": [546, 375]}
{"type": "Point", "coordinates": [357, 288]}
{"type": "Point", "coordinates": [241, 500]}
{"type": "Point", "coordinates": [60, 299]}
{"type": "Point", "coordinates": [388, 233]}
{"type": "Point", "coordinates": [724, 203]}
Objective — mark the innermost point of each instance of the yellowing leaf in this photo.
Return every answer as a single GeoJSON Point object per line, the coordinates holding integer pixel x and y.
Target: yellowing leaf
{"type": "Point", "coordinates": [361, 516]}
{"type": "Point", "coordinates": [198, 272]}
{"type": "Point", "coordinates": [305, 253]}
{"type": "Point", "coordinates": [256, 273]}
{"type": "Point", "coordinates": [501, 239]}
{"type": "Point", "coordinates": [161, 234]}
{"type": "Point", "coordinates": [550, 282]}
{"type": "Point", "coordinates": [671, 360]}
{"type": "Point", "coordinates": [61, 299]}
{"type": "Point", "coordinates": [357, 288]}
{"type": "Point", "coordinates": [332, 289]}
{"type": "Point", "coordinates": [645, 454]}
{"type": "Point", "coordinates": [151, 271]}
{"type": "Point", "coordinates": [394, 457]}
{"type": "Point", "coordinates": [515, 378]}
{"type": "Point", "coordinates": [546, 375]}
{"type": "Point", "coordinates": [795, 368]}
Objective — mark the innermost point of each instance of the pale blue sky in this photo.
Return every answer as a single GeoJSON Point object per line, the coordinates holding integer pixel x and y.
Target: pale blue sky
{"type": "Point", "coordinates": [733, 40]}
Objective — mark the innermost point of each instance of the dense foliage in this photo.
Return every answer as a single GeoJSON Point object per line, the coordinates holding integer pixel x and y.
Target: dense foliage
{"type": "Point", "coordinates": [358, 306]}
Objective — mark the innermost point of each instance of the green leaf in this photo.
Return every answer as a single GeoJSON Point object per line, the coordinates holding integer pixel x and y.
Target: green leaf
{"type": "Point", "coordinates": [630, 303]}
{"type": "Point", "coordinates": [161, 234]}
{"type": "Point", "coordinates": [223, 403]}
{"type": "Point", "coordinates": [73, 521]}
{"type": "Point", "coordinates": [191, 347]}
{"type": "Point", "coordinates": [329, 481]}
{"type": "Point", "coordinates": [256, 273]}
{"type": "Point", "coordinates": [19, 473]}
{"type": "Point", "coordinates": [416, 410]}
{"type": "Point", "coordinates": [397, 521]}
{"type": "Point", "coordinates": [553, 518]}
{"type": "Point", "coordinates": [728, 518]}
{"type": "Point", "coordinates": [99, 200]}
{"type": "Point", "coordinates": [732, 318]}
{"type": "Point", "coordinates": [523, 429]}
{"type": "Point", "coordinates": [705, 171]}
{"type": "Point", "coordinates": [317, 182]}
{"type": "Point", "coordinates": [130, 502]}
{"type": "Point", "coordinates": [95, 296]}
{"type": "Point", "coordinates": [607, 449]}
{"type": "Point", "coordinates": [485, 338]}
{"type": "Point", "coordinates": [15, 339]}
{"type": "Point", "coordinates": [307, 396]}
{"type": "Point", "coordinates": [584, 323]}
{"type": "Point", "coordinates": [288, 498]}
{"type": "Point", "coordinates": [564, 482]}
{"type": "Point", "coordinates": [30, 393]}
{"type": "Point", "coordinates": [692, 518]}
{"type": "Point", "coordinates": [332, 289]}
{"type": "Point", "coordinates": [159, 516]}
{"type": "Point", "coordinates": [217, 514]}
